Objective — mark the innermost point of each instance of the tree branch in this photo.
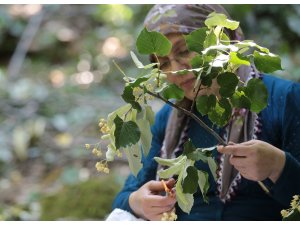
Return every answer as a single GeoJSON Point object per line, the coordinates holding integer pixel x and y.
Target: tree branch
{"type": "Point", "coordinates": [192, 115]}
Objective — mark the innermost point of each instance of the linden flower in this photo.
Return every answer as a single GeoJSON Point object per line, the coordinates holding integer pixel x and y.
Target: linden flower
{"type": "Point", "coordinates": [293, 204]}
{"type": "Point", "coordinates": [102, 167]}
{"type": "Point", "coordinates": [137, 91]}
{"type": "Point", "coordinates": [296, 197]}
{"type": "Point", "coordinates": [173, 216]}
{"type": "Point", "coordinates": [105, 129]}
{"type": "Point", "coordinates": [165, 217]}
{"type": "Point", "coordinates": [169, 216]}
{"type": "Point", "coordinates": [87, 146]}
{"type": "Point", "coordinates": [106, 170]}
{"type": "Point", "coordinates": [97, 152]}
{"type": "Point", "coordinates": [119, 154]}
{"type": "Point", "coordinates": [284, 213]}
{"type": "Point", "coordinates": [150, 87]}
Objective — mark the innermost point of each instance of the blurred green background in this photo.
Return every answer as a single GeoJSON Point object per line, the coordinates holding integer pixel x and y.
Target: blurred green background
{"type": "Point", "coordinates": [57, 79]}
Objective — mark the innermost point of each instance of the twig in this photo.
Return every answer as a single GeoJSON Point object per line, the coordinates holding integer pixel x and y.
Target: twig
{"type": "Point", "coordinates": [200, 122]}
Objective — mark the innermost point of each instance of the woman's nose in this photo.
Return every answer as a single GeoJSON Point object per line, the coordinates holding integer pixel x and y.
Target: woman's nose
{"type": "Point", "coordinates": [175, 65]}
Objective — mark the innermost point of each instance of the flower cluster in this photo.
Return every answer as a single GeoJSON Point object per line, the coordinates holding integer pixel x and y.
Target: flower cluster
{"type": "Point", "coordinates": [169, 216]}
{"type": "Point", "coordinates": [97, 152]}
{"type": "Point", "coordinates": [102, 167]}
{"type": "Point", "coordinates": [292, 213]}
{"type": "Point", "coordinates": [103, 126]}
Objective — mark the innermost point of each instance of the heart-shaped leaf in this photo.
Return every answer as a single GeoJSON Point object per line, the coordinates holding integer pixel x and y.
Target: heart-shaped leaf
{"type": "Point", "coordinates": [195, 40]}
{"type": "Point", "coordinates": [153, 43]}
{"type": "Point", "coordinates": [204, 103]}
{"type": "Point", "coordinates": [172, 92]}
{"type": "Point", "coordinates": [130, 98]}
{"type": "Point", "coordinates": [257, 92]}
{"type": "Point", "coordinates": [126, 133]}
{"type": "Point", "coordinates": [219, 19]}
{"type": "Point", "coordinates": [228, 82]}
{"type": "Point", "coordinates": [267, 63]}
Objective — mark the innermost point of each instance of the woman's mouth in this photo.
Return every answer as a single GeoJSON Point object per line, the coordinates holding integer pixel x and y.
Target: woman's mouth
{"type": "Point", "coordinates": [188, 84]}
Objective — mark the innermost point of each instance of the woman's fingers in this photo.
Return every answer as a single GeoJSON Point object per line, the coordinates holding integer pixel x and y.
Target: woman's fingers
{"type": "Point", "coordinates": [236, 150]}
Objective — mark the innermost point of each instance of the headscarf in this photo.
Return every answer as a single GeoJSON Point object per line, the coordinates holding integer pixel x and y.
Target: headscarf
{"type": "Point", "coordinates": [185, 19]}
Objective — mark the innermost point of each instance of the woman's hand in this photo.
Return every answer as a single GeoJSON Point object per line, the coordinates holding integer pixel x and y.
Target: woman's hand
{"type": "Point", "coordinates": [147, 202]}
{"type": "Point", "coordinates": [255, 160]}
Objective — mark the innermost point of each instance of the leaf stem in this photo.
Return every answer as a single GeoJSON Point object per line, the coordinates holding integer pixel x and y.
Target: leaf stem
{"type": "Point", "coordinates": [119, 68]}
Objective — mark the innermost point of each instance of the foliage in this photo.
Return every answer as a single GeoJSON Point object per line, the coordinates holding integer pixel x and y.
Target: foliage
{"type": "Point", "coordinates": [275, 27]}
{"type": "Point", "coordinates": [216, 57]}
{"type": "Point", "coordinates": [87, 200]}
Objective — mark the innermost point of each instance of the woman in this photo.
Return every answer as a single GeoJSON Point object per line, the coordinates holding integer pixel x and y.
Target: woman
{"type": "Point", "coordinates": [268, 149]}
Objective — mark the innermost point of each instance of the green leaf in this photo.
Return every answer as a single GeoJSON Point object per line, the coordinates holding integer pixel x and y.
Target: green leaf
{"type": "Point", "coordinates": [228, 82]}
{"type": "Point", "coordinates": [257, 92]}
{"type": "Point", "coordinates": [146, 135]}
{"type": "Point", "coordinates": [204, 103]}
{"type": "Point", "coordinates": [175, 169]}
{"type": "Point", "coordinates": [196, 61]}
{"type": "Point", "coordinates": [203, 184]}
{"type": "Point", "coordinates": [220, 47]}
{"type": "Point", "coordinates": [133, 154]}
{"type": "Point", "coordinates": [250, 43]}
{"type": "Point", "coordinates": [219, 19]}
{"type": "Point", "coordinates": [130, 98]}
{"type": "Point", "coordinates": [172, 92]}
{"type": "Point", "coordinates": [120, 111]}
{"type": "Point", "coordinates": [221, 113]}
{"type": "Point", "coordinates": [188, 147]}
{"type": "Point", "coordinates": [267, 63]}
{"type": "Point", "coordinates": [153, 43]}
{"type": "Point", "coordinates": [190, 182]}
{"type": "Point", "coordinates": [225, 39]}
{"type": "Point", "coordinates": [195, 40]}
{"type": "Point", "coordinates": [213, 167]}
{"type": "Point", "coordinates": [126, 133]}
{"type": "Point", "coordinates": [138, 63]}
{"type": "Point", "coordinates": [220, 60]}
{"type": "Point", "coordinates": [137, 82]}
{"type": "Point", "coordinates": [210, 40]}
{"type": "Point", "coordinates": [240, 100]}
{"type": "Point", "coordinates": [197, 155]}
{"type": "Point", "coordinates": [149, 115]}
{"type": "Point", "coordinates": [238, 59]}
{"type": "Point", "coordinates": [185, 201]}
{"type": "Point", "coordinates": [168, 162]}
{"type": "Point", "coordinates": [209, 149]}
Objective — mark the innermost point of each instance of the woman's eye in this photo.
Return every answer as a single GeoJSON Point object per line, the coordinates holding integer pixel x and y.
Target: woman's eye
{"type": "Point", "coordinates": [164, 65]}
{"type": "Point", "coordinates": [184, 53]}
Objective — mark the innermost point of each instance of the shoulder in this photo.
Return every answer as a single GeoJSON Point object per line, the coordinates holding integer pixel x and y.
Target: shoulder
{"type": "Point", "coordinates": [281, 88]}
{"type": "Point", "coordinates": [276, 84]}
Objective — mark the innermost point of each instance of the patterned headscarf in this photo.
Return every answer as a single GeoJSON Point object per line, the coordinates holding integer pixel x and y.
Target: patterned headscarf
{"type": "Point", "coordinates": [185, 19]}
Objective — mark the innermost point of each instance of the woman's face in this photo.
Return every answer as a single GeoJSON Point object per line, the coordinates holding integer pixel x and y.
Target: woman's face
{"type": "Point", "coordinates": [179, 59]}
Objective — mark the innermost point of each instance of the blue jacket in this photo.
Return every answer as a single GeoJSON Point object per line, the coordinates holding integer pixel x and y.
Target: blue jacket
{"type": "Point", "coordinates": [280, 127]}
